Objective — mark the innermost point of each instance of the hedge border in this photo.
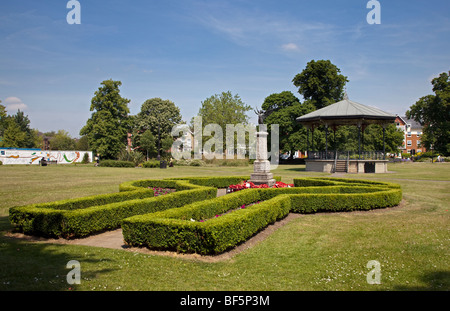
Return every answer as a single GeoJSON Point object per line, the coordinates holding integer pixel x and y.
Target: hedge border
{"type": "Point", "coordinates": [84, 216]}
{"type": "Point", "coordinates": [88, 215]}
{"type": "Point", "coordinates": [174, 229]}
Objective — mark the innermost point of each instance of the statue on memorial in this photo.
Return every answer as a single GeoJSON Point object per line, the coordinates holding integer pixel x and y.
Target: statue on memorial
{"type": "Point", "coordinates": [262, 115]}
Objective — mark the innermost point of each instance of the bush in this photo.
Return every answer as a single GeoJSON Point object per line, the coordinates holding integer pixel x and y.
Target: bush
{"type": "Point", "coordinates": [174, 221]}
{"type": "Point", "coordinates": [85, 159]}
{"type": "Point", "coordinates": [189, 162]}
{"type": "Point", "coordinates": [150, 164]}
{"type": "Point", "coordinates": [116, 163]}
{"type": "Point", "coordinates": [81, 217]}
{"type": "Point", "coordinates": [131, 156]}
{"type": "Point", "coordinates": [46, 219]}
{"type": "Point", "coordinates": [182, 229]}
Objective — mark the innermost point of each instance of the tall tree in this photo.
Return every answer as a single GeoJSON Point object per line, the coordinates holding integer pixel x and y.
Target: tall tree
{"type": "Point", "coordinates": [62, 141]}
{"type": "Point", "coordinates": [148, 143]}
{"type": "Point", "coordinates": [321, 83]}
{"type": "Point", "coordinates": [433, 113]}
{"type": "Point", "coordinates": [109, 123]}
{"type": "Point", "coordinates": [157, 116]}
{"type": "Point", "coordinates": [223, 109]}
{"type": "Point", "coordinates": [16, 130]}
{"type": "Point", "coordinates": [283, 110]}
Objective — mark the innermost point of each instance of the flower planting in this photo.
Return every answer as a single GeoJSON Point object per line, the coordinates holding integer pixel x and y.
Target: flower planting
{"type": "Point", "coordinates": [251, 185]}
{"type": "Point", "coordinates": [162, 191]}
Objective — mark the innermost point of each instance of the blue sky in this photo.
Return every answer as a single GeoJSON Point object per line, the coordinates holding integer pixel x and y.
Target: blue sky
{"type": "Point", "coordinates": [187, 51]}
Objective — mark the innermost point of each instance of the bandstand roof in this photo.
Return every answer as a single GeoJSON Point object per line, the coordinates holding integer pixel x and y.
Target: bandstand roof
{"type": "Point", "coordinates": [346, 112]}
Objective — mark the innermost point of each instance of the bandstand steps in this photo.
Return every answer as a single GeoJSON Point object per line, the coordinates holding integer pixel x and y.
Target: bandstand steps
{"type": "Point", "coordinates": [341, 167]}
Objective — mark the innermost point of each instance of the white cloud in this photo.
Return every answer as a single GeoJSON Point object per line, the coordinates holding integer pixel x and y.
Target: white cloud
{"type": "Point", "coordinates": [290, 47]}
{"type": "Point", "coordinates": [13, 104]}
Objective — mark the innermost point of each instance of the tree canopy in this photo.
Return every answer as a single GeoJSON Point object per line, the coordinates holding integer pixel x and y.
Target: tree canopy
{"type": "Point", "coordinates": [283, 110]}
{"type": "Point", "coordinates": [433, 113]}
{"type": "Point", "coordinates": [223, 109]}
{"type": "Point", "coordinates": [15, 130]}
{"type": "Point", "coordinates": [321, 83]}
{"type": "Point", "coordinates": [109, 123]}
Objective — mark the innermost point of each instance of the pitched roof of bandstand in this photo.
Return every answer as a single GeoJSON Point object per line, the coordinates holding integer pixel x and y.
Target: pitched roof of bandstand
{"type": "Point", "coordinates": [346, 112]}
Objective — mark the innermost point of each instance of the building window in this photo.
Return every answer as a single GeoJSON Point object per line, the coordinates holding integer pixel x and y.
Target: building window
{"type": "Point", "coordinates": [409, 134]}
{"type": "Point", "coordinates": [409, 143]}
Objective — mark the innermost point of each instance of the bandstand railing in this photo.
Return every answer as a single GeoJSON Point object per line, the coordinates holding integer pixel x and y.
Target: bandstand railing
{"type": "Point", "coordinates": [346, 155]}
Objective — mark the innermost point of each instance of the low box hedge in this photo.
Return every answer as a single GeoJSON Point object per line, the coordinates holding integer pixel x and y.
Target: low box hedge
{"type": "Point", "coordinates": [116, 163]}
{"type": "Point", "coordinates": [84, 216]}
{"type": "Point", "coordinates": [174, 221]}
{"type": "Point", "coordinates": [181, 230]}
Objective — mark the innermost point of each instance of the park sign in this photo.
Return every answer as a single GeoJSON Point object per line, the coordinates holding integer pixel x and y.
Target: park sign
{"type": "Point", "coordinates": [34, 156]}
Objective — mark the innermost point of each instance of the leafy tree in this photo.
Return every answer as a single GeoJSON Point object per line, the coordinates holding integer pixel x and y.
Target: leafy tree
{"type": "Point", "coordinates": [16, 130]}
{"type": "Point", "coordinates": [13, 136]}
{"type": "Point", "coordinates": [433, 113]}
{"type": "Point", "coordinates": [156, 118]}
{"type": "Point", "coordinates": [283, 110]}
{"type": "Point", "coordinates": [2, 121]}
{"type": "Point", "coordinates": [373, 138]}
{"type": "Point", "coordinates": [321, 83]}
{"type": "Point", "coordinates": [62, 141]}
{"type": "Point", "coordinates": [156, 112]}
{"type": "Point", "coordinates": [109, 123]}
{"type": "Point", "coordinates": [223, 109]}
{"type": "Point", "coordinates": [148, 143]}
{"type": "Point", "coordinates": [82, 143]}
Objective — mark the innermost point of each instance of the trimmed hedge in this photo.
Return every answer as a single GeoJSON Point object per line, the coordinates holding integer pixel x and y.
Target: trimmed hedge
{"type": "Point", "coordinates": [84, 216]}
{"type": "Point", "coordinates": [181, 230]}
{"type": "Point", "coordinates": [218, 182]}
{"type": "Point", "coordinates": [174, 221]}
{"type": "Point", "coordinates": [116, 163]}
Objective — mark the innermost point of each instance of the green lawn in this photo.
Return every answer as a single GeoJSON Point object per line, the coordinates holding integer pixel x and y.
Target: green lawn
{"type": "Point", "coordinates": [312, 252]}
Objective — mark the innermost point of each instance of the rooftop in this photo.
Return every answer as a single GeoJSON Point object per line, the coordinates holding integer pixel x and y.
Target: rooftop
{"type": "Point", "coordinates": [347, 112]}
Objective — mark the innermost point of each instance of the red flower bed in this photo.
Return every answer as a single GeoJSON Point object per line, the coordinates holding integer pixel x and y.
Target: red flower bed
{"type": "Point", "coordinates": [249, 185]}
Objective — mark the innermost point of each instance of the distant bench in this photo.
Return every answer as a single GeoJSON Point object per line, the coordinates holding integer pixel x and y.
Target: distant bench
{"type": "Point", "coordinates": [45, 162]}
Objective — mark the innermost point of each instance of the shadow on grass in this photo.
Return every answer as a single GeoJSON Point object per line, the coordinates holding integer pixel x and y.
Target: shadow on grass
{"type": "Point", "coordinates": [434, 280]}
{"type": "Point", "coordinates": [29, 266]}
{"type": "Point", "coordinates": [295, 169]}
{"type": "Point", "coordinates": [5, 224]}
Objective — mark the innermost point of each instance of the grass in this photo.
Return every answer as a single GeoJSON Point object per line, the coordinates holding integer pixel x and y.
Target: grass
{"type": "Point", "coordinates": [320, 252]}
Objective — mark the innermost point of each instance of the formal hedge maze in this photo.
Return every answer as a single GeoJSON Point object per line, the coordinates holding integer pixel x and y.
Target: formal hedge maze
{"type": "Point", "coordinates": [191, 218]}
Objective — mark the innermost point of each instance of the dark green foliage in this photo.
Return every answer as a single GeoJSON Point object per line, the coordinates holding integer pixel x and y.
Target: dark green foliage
{"type": "Point", "coordinates": [186, 220]}
{"type": "Point", "coordinates": [116, 163]}
{"type": "Point", "coordinates": [84, 216]}
{"type": "Point", "coordinates": [151, 164]}
{"type": "Point", "coordinates": [182, 229]}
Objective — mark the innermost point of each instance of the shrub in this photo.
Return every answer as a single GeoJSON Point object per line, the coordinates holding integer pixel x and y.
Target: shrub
{"type": "Point", "coordinates": [131, 156]}
{"type": "Point", "coordinates": [151, 164]}
{"type": "Point", "coordinates": [85, 159]}
{"type": "Point", "coordinates": [181, 229]}
{"type": "Point", "coordinates": [116, 163]}
{"type": "Point", "coordinates": [174, 221]}
{"type": "Point", "coordinates": [81, 217]}
{"type": "Point", "coordinates": [189, 162]}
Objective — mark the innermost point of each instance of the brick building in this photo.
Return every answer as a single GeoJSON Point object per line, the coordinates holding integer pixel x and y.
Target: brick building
{"type": "Point", "coordinates": [413, 134]}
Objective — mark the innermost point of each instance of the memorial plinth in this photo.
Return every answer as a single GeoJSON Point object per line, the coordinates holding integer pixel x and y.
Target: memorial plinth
{"type": "Point", "coordinates": [261, 167]}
